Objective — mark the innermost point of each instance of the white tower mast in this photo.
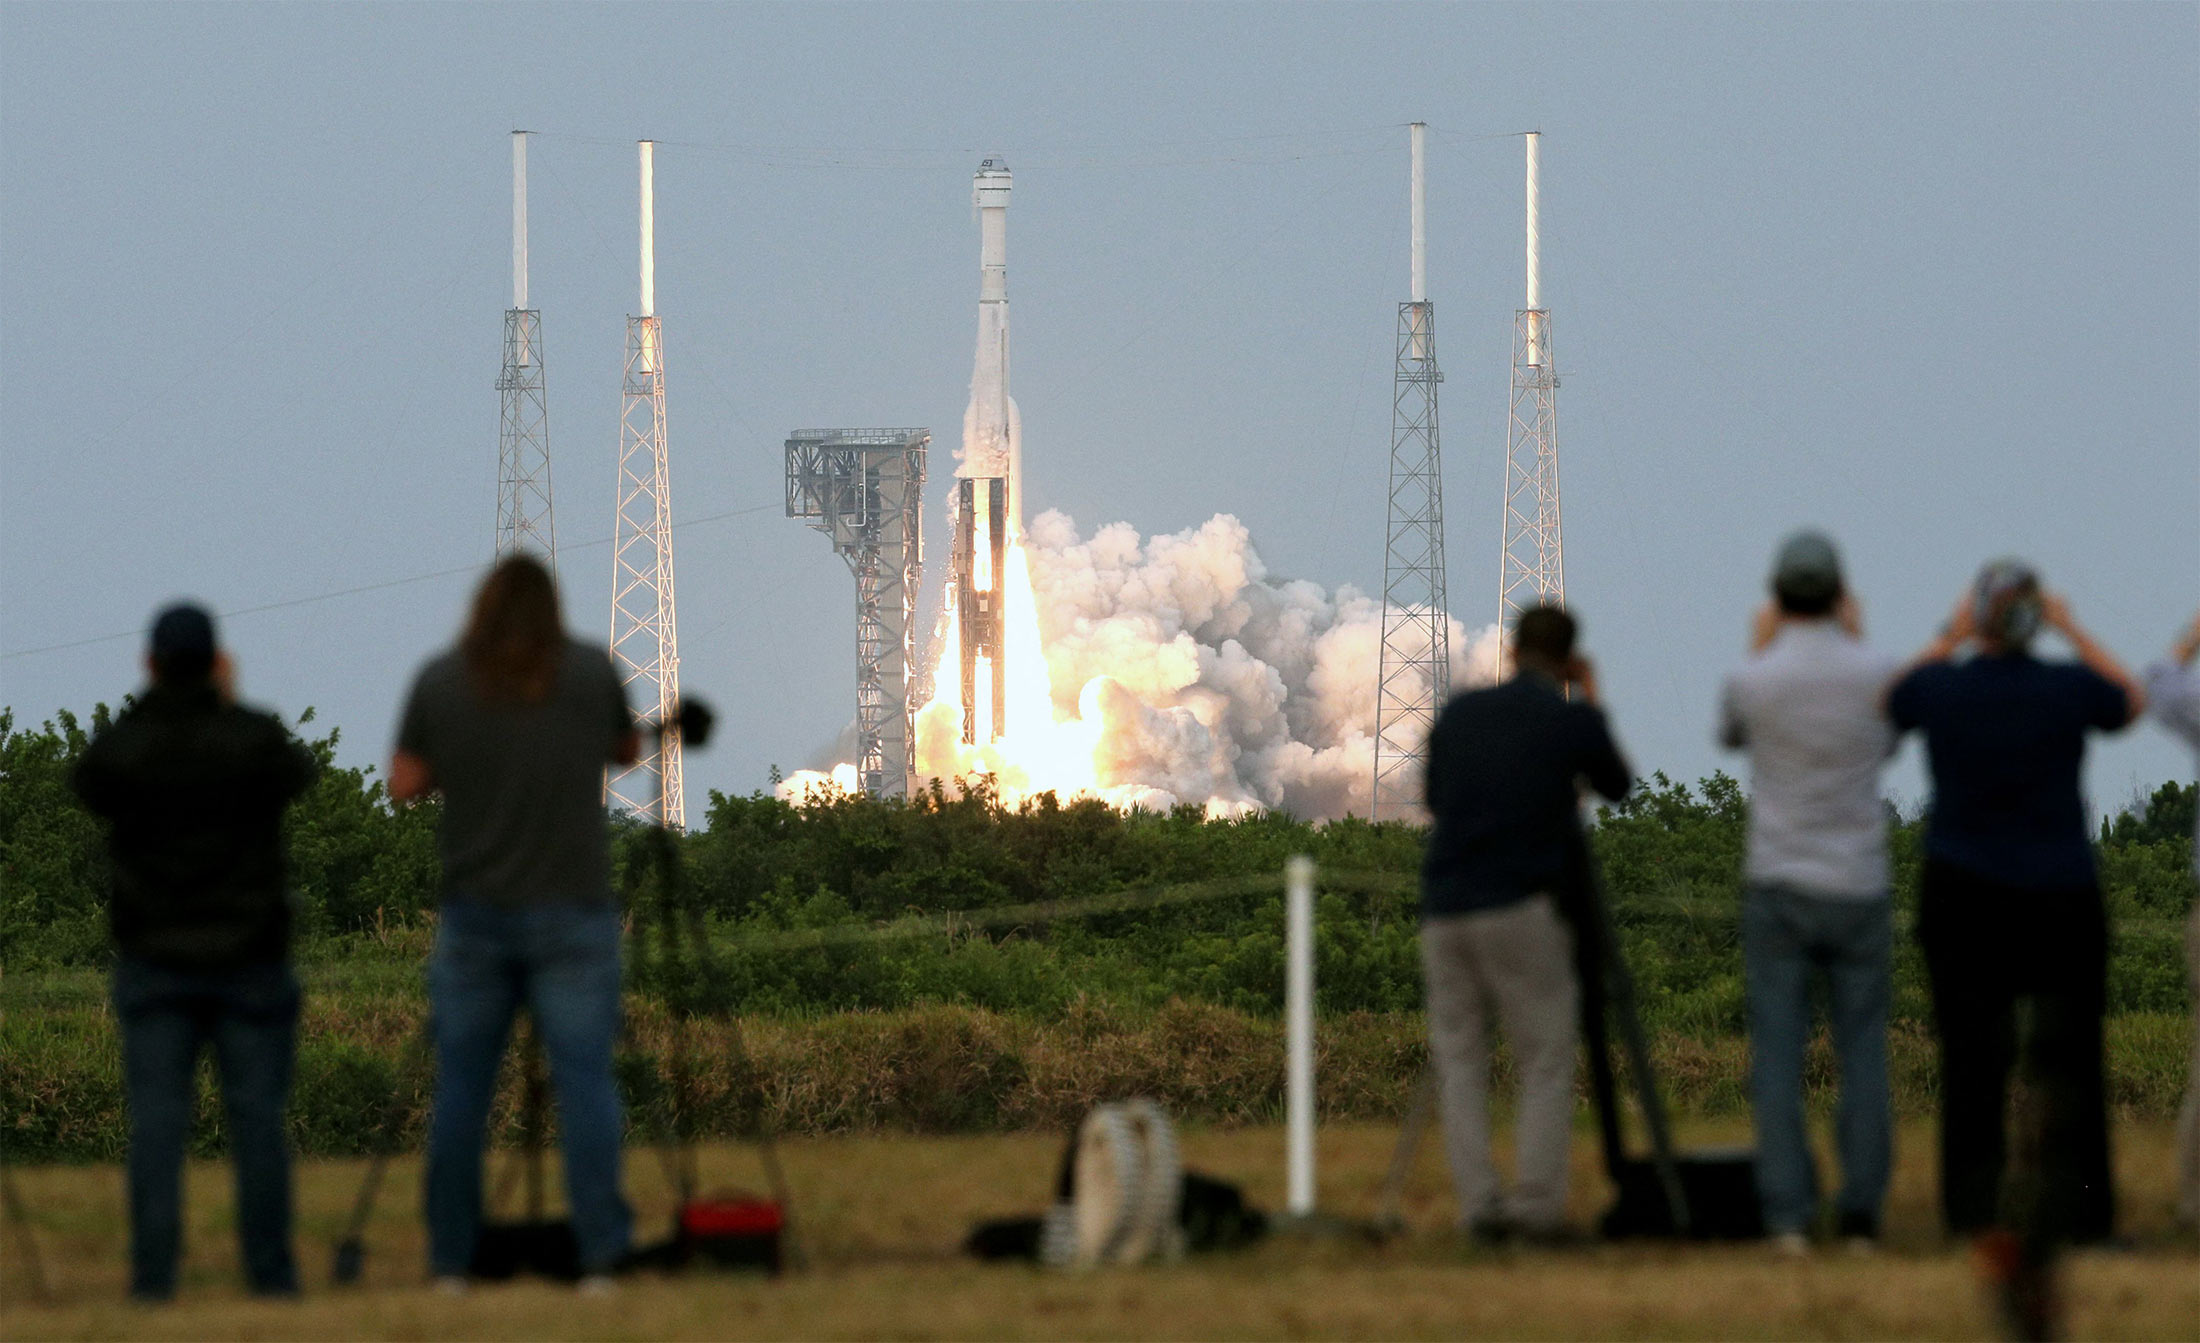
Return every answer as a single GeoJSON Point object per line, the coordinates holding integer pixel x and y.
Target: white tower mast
{"type": "Point", "coordinates": [1413, 671]}
{"type": "Point", "coordinates": [644, 639]}
{"type": "Point", "coordinates": [1533, 564]}
{"type": "Point", "coordinates": [524, 519]}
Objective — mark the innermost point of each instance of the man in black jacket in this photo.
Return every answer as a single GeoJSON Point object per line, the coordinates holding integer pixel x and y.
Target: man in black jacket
{"type": "Point", "coordinates": [194, 787]}
{"type": "Point", "coordinates": [1505, 768]}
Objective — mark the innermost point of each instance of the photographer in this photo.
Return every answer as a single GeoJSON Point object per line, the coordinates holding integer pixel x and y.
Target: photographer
{"type": "Point", "coordinates": [2173, 692]}
{"type": "Point", "coordinates": [194, 788]}
{"type": "Point", "coordinates": [2010, 908]}
{"type": "Point", "coordinates": [1807, 709]}
{"type": "Point", "coordinates": [514, 727]}
{"type": "Point", "coordinates": [1504, 768]}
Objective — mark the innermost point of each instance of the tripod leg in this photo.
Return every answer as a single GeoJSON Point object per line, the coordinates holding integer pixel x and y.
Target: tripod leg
{"type": "Point", "coordinates": [1646, 1092]}
{"type": "Point", "coordinates": [351, 1250]}
{"type": "Point", "coordinates": [1420, 1110]}
{"type": "Point", "coordinates": [20, 1217]}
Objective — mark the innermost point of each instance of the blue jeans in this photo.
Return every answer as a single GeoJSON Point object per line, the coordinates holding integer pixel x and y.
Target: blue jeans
{"type": "Point", "coordinates": [1786, 935]}
{"type": "Point", "coordinates": [562, 961]}
{"type": "Point", "coordinates": [250, 1016]}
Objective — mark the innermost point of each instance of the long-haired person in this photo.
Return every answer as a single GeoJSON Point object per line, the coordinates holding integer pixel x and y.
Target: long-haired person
{"type": "Point", "coordinates": [513, 727]}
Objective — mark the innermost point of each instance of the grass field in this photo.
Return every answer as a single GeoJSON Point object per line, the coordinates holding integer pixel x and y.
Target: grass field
{"type": "Point", "coordinates": [881, 1216]}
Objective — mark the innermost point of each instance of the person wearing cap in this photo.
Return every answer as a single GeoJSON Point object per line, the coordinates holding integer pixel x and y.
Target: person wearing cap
{"type": "Point", "coordinates": [1807, 708]}
{"type": "Point", "coordinates": [2173, 695]}
{"type": "Point", "coordinates": [2010, 913]}
{"type": "Point", "coordinates": [193, 787]}
{"type": "Point", "coordinates": [1506, 766]}
{"type": "Point", "coordinates": [513, 727]}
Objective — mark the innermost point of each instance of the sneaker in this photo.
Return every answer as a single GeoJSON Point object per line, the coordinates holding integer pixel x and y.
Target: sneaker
{"type": "Point", "coordinates": [1859, 1233]}
{"type": "Point", "coordinates": [1790, 1244]}
{"type": "Point", "coordinates": [451, 1284]}
{"type": "Point", "coordinates": [596, 1285]}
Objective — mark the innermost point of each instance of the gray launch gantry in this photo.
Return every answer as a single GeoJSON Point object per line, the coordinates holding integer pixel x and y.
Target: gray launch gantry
{"type": "Point", "coordinates": [864, 488]}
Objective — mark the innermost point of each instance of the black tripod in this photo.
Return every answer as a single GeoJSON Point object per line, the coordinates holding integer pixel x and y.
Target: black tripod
{"type": "Point", "coordinates": [537, 1243]}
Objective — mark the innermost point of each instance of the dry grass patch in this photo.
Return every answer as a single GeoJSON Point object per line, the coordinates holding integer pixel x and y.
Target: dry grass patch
{"type": "Point", "coordinates": [881, 1216]}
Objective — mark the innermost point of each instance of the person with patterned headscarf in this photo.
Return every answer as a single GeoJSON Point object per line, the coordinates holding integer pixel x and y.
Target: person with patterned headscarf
{"type": "Point", "coordinates": [2010, 912]}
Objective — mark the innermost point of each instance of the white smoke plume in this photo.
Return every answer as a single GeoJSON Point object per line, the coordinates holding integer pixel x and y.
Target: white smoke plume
{"type": "Point", "coordinates": [1212, 682]}
{"type": "Point", "coordinates": [1217, 684]}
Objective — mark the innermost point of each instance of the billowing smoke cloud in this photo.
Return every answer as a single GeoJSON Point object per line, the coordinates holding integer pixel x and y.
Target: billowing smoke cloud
{"type": "Point", "coordinates": [1217, 684]}
{"type": "Point", "coordinates": [1197, 676]}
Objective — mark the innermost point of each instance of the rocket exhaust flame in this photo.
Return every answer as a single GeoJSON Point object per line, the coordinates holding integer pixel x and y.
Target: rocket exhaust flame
{"type": "Point", "coordinates": [980, 536]}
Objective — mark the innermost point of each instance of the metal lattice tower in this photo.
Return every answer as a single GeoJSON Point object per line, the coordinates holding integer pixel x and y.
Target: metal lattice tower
{"type": "Point", "coordinates": [524, 520]}
{"type": "Point", "coordinates": [645, 646]}
{"type": "Point", "coordinates": [1414, 665]}
{"type": "Point", "coordinates": [864, 488]}
{"type": "Point", "coordinates": [1533, 566]}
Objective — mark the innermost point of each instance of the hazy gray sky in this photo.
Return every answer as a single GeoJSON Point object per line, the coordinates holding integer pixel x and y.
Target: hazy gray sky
{"type": "Point", "coordinates": [1928, 276]}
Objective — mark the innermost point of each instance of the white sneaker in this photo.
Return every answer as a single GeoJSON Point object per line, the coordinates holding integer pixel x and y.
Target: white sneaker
{"type": "Point", "coordinates": [451, 1284]}
{"type": "Point", "coordinates": [597, 1285]}
{"type": "Point", "coordinates": [1791, 1245]}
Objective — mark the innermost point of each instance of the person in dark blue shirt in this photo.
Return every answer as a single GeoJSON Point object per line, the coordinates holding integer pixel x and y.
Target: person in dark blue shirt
{"type": "Point", "coordinates": [193, 787]}
{"type": "Point", "coordinates": [2010, 909]}
{"type": "Point", "coordinates": [1505, 770]}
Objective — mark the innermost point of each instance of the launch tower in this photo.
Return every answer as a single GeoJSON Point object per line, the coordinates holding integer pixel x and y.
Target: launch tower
{"type": "Point", "coordinates": [645, 645]}
{"type": "Point", "coordinates": [523, 428]}
{"type": "Point", "coordinates": [1533, 566]}
{"type": "Point", "coordinates": [1413, 676]}
{"type": "Point", "coordinates": [864, 488]}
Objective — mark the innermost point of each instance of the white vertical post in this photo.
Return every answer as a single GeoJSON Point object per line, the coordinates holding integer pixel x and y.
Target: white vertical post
{"type": "Point", "coordinates": [649, 229]}
{"type": "Point", "coordinates": [519, 219]}
{"type": "Point", "coordinates": [1535, 226]}
{"type": "Point", "coordinates": [1420, 215]}
{"type": "Point", "coordinates": [1298, 1013]}
{"type": "Point", "coordinates": [1535, 249]}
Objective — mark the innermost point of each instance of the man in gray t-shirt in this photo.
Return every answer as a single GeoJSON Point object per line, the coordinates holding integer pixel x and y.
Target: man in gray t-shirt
{"type": "Point", "coordinates": [522, 783]}
{"type": "Point", "coordinates": [1806, 707]}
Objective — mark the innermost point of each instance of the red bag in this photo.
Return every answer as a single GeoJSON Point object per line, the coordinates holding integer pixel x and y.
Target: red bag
{"type": "Point", "coordinates": [733, 1230]}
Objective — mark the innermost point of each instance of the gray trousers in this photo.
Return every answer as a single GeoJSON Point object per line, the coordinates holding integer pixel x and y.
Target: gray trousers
{"type": "Point", "coordinates": [1515, 964]}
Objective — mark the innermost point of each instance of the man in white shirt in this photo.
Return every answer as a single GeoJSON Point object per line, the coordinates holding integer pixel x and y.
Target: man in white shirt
{"type": "Point", "coordinates": [1807, 709]}
{"type": "Point", "coordinates": [2173, 695]}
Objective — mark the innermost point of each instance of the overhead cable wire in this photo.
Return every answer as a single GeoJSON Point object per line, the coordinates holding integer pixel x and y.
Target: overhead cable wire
{"type": "Point", "coordinates": [384, 585]}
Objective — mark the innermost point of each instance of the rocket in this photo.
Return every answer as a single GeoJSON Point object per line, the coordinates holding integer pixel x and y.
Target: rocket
{"type": "Point", "coordinates": [988, 515]}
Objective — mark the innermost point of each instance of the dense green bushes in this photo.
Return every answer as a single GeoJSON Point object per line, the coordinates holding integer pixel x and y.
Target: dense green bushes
{"type": "Point", "coordinates": [899, 964]}
{"type": "Point", "coordinates": [770, 874]}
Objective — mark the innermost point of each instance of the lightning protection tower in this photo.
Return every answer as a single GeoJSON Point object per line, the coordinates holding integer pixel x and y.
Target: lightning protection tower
{"type": "Point", "coordinates": [864, 488]}
{"type": "Point", "coordinates": [1414, 665]}
{"type": "Point", "coordinates": [645, 645]}
{"type": "Point", "coordinates": [523, 429]}
{"type": "Point", "coordinates": [1533, 566]}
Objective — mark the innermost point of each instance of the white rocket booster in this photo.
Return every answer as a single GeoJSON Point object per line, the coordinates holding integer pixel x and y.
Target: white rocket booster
{"type": "Point", "coordinates": [993, 434]}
